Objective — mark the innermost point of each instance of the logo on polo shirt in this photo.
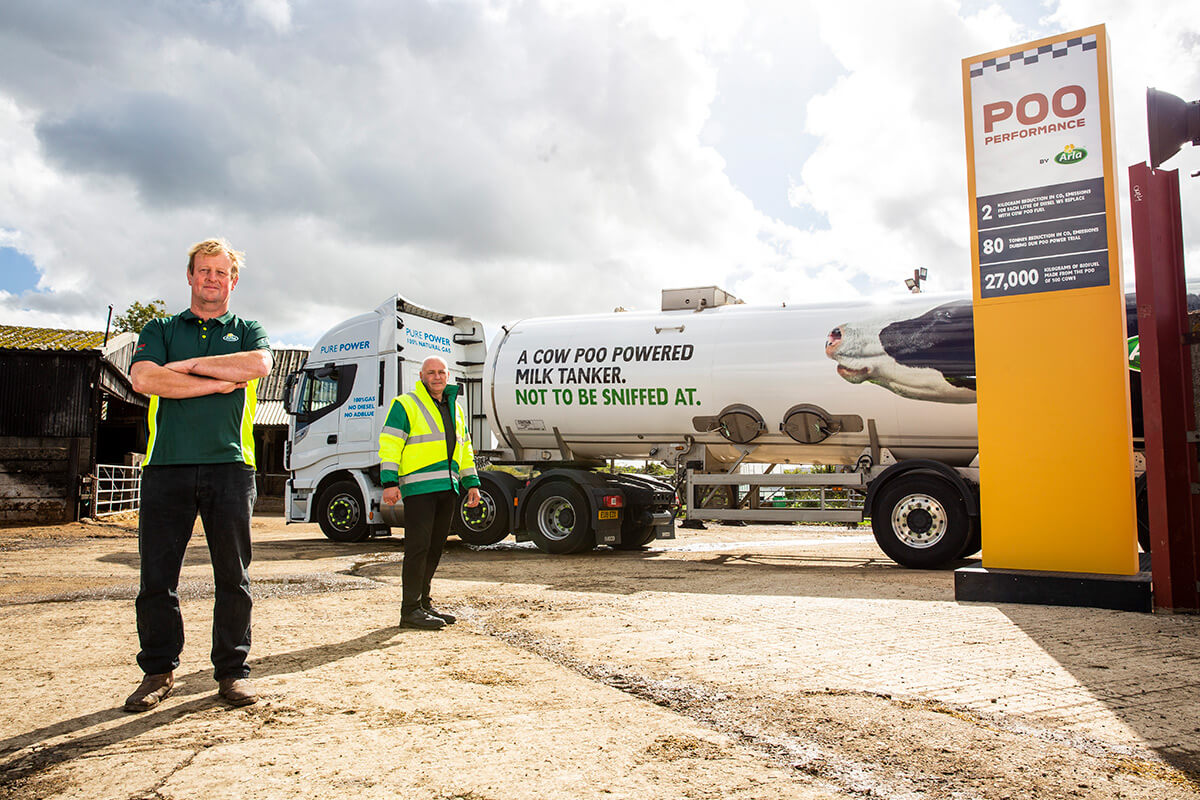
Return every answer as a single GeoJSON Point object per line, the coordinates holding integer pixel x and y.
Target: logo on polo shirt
{"type": "Point", "coordinates": [230, 337]}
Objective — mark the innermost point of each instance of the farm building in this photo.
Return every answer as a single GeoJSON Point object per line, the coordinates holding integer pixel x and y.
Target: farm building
{"type": "Point", "coordinates": [70, 423]}
{"type": "Point", "coordinates": [270, 428]}
{"type": "Point", "coordinates": [66, 405]}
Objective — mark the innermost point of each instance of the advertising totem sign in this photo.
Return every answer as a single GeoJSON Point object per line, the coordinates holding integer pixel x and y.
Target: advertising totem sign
{"type": "Point", "coordinates": [1055, 445]}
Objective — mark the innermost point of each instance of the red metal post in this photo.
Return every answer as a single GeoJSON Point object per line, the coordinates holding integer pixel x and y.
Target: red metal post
{"type": "Point", "coordinates": [1172, 475]}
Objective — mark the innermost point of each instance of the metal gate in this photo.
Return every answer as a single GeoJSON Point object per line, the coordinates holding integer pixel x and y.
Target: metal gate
{"type": "Point", "coordinates": [116, 489]}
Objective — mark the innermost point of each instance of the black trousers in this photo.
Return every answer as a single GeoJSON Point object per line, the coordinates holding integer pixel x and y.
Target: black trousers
{"type": "Point", "coordinates": [427, 519]}
{"type": "Point", "coordinates": [223, 495]}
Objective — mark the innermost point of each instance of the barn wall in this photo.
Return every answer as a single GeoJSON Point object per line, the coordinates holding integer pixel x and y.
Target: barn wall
{"type": "Point", "coordinates": [39, 478]}
{"type": "Point", "coordinates": [47, 393]}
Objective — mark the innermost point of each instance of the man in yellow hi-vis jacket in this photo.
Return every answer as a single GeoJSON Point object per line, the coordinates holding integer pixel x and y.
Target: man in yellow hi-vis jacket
{"type": "Point", "coordinates": [425, 457]}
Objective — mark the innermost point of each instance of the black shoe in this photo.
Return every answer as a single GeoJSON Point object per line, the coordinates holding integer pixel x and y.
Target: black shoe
{"type": "Point", "coordinates": [449, 619]}
{"type": "Point", "coordinates": [420, 618]}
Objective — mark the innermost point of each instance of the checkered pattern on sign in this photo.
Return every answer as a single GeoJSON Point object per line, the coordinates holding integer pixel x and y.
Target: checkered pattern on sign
{"type": "Point", "coordinates": [1056, 50]}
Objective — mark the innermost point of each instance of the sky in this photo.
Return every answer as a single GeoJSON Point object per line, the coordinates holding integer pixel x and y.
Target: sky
{"type": "Point", "coordinates": [503, 160]}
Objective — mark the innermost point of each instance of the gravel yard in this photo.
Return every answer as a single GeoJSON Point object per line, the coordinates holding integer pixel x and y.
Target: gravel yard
{"type": "Point", "coordinates": [737, 662]}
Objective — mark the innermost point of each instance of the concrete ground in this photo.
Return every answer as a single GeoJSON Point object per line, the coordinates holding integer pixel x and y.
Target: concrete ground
{"type": "Point", "coordinates": [746, 662]}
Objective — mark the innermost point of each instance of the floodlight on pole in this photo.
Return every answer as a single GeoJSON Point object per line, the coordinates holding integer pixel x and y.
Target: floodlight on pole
{"type": "Point", "coordinates": [914, 283]}
{"type": "Point", "coordinates": [1171, 122]}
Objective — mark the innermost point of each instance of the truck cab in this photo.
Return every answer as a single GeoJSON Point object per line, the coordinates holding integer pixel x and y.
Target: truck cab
{"type": "Point", "coordinates": [339, 399]}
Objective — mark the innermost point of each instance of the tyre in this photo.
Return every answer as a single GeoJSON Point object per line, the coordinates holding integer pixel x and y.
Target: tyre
{"type": "Point", "coordinates": [341, 513]}
{"type": "Point", "coordinates": [635, 537]}
{"type": "Point", "coordinates": [558, 520]}
{"type": "Point", "coordinates": [487, 523]}
{"type": "Point", "coordinates": [974, 541]}
{"type": "Point", "coordinates": [920, 521]}
{"type": "Point", "coordinates": [1142, 502]}
{"type": "Point", "coordinates": [720, 497]}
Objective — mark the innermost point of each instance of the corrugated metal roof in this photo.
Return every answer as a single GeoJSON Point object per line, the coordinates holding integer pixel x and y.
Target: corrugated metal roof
{"type": "Point", "coordinates": [286, 362]}
{"type": "Point", "coordinates": [120, 350]}
{"type": "Point", "coordinates": [270, 412]}
{"type": "Point", "coordinates": [18, 337]}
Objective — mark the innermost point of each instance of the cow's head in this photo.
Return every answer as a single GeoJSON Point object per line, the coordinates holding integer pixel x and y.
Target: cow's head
{"type": "Point", "coordinates": [928, 357]}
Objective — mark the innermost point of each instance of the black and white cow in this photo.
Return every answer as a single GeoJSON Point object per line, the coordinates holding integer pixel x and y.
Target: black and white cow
{"type": "Point", "coordinates": [929, 357]}
{"type": "Point", "coordinates": [932, 357]}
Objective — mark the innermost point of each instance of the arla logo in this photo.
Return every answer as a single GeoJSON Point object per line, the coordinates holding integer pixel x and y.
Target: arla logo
{"type": "Point", "coordinates": [230, 337]}
{"type": "Point", "coordinates": [1071, 155]}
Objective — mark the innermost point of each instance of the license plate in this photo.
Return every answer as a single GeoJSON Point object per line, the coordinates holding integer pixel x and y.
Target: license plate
{"type": "Point", "coordinates": [608, 514]}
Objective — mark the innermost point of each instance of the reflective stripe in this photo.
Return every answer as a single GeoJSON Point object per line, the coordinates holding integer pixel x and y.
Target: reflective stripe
{"type": "Point", "coordinates": [422, 477]}
{"type": "Point", "coordinates": [399, 433]}
{"type": "Point", "coordinates": [251, 400]}
{"type": "Point", "coordinates": [388, 466]}
{"type": "Point", "coordinates": [468, 472]}
{"type": "Point", "coordinates": [424, 411]}
{"type": "Point", "coordinates": [426, 438]}
{"type": "Point", "coordinates": [152, 423]}
{"type": "Point", "coordinates": [416, 481]}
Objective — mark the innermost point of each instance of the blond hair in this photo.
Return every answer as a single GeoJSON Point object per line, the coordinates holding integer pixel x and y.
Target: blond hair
{"type": "Point", "coordinates": [214, 247]}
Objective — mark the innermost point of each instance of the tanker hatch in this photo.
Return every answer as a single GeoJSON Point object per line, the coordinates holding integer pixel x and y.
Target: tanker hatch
{"type": "Point", "coordinates": [741, 424]}
{"type": "Point", "coordinates": [809, 424]}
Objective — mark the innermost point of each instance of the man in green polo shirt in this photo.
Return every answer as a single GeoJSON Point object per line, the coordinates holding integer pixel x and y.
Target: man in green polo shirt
{"type": "Point", "coordinates": [200, 368]}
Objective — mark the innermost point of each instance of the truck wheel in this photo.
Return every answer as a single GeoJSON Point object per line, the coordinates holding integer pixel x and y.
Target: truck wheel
{"type": "Point", "coordinates": [486, 523]}
{"type": "Point", "coordinates": [921, 522]}
{"type": "Point", "coordinates": [558, 519]}
{"type": "Point", "coordinates": [637, 537]}
{"type": "Point", "coordinates": [639, 540]}
{"type": "Point", "coordinates": [1142, 503]}
{"type": "Point", "coordinates": [342, 515]}
{"type": "Point", "coordinates": [974, 541]}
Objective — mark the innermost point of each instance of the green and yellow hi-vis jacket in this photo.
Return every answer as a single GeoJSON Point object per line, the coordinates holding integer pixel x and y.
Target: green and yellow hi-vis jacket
{"type": "Point", "coordinates": [412, 446]}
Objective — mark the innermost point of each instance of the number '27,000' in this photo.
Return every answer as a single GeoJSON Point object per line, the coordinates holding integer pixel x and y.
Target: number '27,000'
{"type": "Point", "coordinates": [1011, 280]}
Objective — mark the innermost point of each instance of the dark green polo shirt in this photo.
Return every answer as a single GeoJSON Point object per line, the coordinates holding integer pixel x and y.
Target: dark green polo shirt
{"type": "Point", "coordinates": [215, 428]}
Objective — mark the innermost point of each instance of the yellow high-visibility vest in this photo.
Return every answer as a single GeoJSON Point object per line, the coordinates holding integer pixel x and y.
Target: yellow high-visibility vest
{"type": "Point", "coordinates": [412, 446]}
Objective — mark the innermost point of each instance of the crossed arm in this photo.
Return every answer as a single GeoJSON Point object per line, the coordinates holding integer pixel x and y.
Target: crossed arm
{"type": "Point", "coordinates": [197, 377]}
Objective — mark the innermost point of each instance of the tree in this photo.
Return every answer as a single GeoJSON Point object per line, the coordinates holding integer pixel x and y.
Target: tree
{"type": "Point", "coordinates": [137, 315]}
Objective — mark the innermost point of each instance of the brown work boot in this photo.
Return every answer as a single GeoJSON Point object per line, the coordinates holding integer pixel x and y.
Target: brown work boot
{"type": "Point", "coordinates": [237, 691]}
{"type": "Point", "coordinates": [154, 690]}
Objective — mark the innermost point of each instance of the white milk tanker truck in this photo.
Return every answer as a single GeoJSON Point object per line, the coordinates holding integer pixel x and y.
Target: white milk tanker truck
{"type": "Point", "coordinates": [707, 384]}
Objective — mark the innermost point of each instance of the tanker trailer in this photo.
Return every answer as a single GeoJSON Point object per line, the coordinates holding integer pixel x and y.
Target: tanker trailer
{"type": "Point", "coordinates": [885, 390]}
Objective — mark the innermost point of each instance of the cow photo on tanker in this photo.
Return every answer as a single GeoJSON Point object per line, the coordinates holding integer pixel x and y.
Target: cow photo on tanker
{"type": "Point", "coordinates": [931, 356]}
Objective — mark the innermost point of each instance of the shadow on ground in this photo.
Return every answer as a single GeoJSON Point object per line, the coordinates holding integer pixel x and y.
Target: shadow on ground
{"type": "Point", "coordinates": [198, 686]}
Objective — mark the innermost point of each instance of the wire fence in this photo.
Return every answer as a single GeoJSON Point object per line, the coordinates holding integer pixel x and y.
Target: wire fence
{"type": "Point", "coordinates": [117, 489]}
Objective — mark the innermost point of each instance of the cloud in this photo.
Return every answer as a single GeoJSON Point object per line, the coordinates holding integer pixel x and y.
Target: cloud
{"type": "Point", "coordinates": [276, 13]}
{"type": "Point", "coordinates": [888, 173]}
{"type": "Point", "coordinates": [1162, 50]}
{"type": "Point", "coordinates": [163, 144]}
{"type": "Point", "coordinates": [499, 159]}
{"type": "Point", "coordinates": [449, 150]}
